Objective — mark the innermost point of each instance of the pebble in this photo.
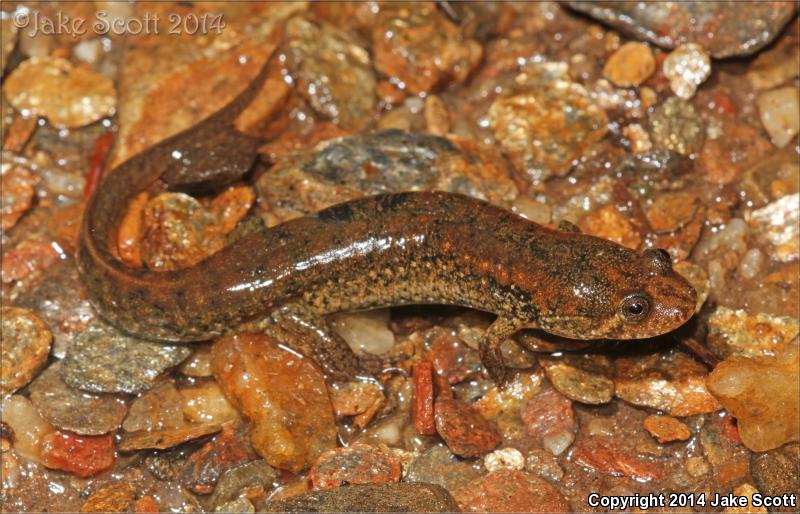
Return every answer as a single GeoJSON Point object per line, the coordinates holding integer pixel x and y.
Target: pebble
{"type": "Point", "coordinates": [602, 454]}
{"type": "Point", "coordinates": [157, 409]}
{"type": "Point", "coordinates": [27, 426]}
{"type": "Point", "coordinates": [543, 463]}
{"type": "Point", "coordinates": [74, 410]}
{"type": "Point", "coordinates": [438, 465]}
{"type": "Point", "coordinates": [671, 382]}
{"type": "Point", "coordinates": [421, 49]}
{"type": "Point", "coordinates": [464, 430]}
{"type": "Point", "coordinates": [520, 388]}
{"type": "Point", "coordinates": [687, 67]}
{"type": "Point", "coordinates": [103, 359]}
{"type": "Point", "coordinates": [675, 125]}
{"type": "Point", "coordinates": [780, 114]}
{"type": "Point", "coordinates": [549, 417]}
{"type": "Point", "coordinates": [365, 331]}
{"type": "Point", "coordinates": [666, 428]}
{"type": "Point", "coordinates": [400, 497]}
{"type": "Point", "coordinates": [724, 29]}
{"type": "Point", "coordinates": [24, 349]}
{"type": "Point", "coordinates": [236, 480]}
{"type": "Point", "coordinates": [114, 497]}
{"type": "Point", "coordinates": [671, 211]}
{"type": "Point", "coordinates": [533, 129]}
{"type": "Point", "coordinates": [384, 161]}
{"type": "Point", "coordinates": [178, 232]}
{"type": "Point", "coordinates": [333, 73]}
{"type": "Point", "coordinates": [68, 96]}
{"type": "Point", "coordinates": [609, 223]}
{"type": "Point", "coordinates": [198, 364]}
{"type": "Point", "coordinates": [585, 378]}
{"type": "Point", "coordinates": [362, 400]}
{"type": "Point", "coordinates": [164, 438]}
{"type": "Point", "coordinates": [81, 455]}
{"type": "Point", "coordinates": [437, 119]}
{"type": "Point", "coordinates": [17, 187]}
{"type": "Point", "coordinates": [778, 224]}
{"type": "Point", "coordinates": [510, 491]}
{"type": "Point", "coordinates": [8, 39]}
{"type": "Point", "coordinates": [356, 464]}
{"type": "Point", "coordinates": [283, 393]}
{"type": "Point", "coordinates": [763, 396]}
{"type": "Point", "coordinates": [504, 458]}
{"type": "Point", "coordinates": [698, 278]}
{"type": "Point", "coordinates": [735, 332]}
{"type": "Point", "coordinates": [630, 65]}
{"type": "Point", "coordinates": [775, 66]}
{"type": "Point", "coordinates": [206, 403]}
{"type": "Point", "coordinates": [776, 471]}
{"type": "Point", "coordinates": [231, 206]}
{"type": "Point", "coordinates": [638, 137]}
{"type": "Point", "coordinates": [240, 504]}
{"type": "Point", "coordinates": [229, 448]}
{"type": "Point", "coordinates": [745, 490]}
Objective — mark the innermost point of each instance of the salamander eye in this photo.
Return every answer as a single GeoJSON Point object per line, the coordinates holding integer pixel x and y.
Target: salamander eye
{"type": "Point", "coordinates": [634, 307]}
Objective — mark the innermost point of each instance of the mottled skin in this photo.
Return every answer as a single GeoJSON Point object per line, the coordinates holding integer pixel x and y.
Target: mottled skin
{"type": "Point", "coordinates": [379, 251]}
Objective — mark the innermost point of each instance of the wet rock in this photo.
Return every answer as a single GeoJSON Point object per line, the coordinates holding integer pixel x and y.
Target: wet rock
{"type": "Point", "coordinates": [159, 408]}
{"type": "Point", "coordinates": [729, 460]}
{"type": "Point", "coordinates": [283, 392]}
{"type": "Point", "coordinates": [59, 298]}
{"type": "Point", "coordinates": [586, 378]}
{"type": "Point", "coordinates": [630, 65]}
{"type": "Point", "coordinates": [437, 119]}
{"type": "Point", "coordinates": [390, 160]}
{"type": "Point", "coordinates": [775, 66]}
{"type": "Point", "coordinates": [236, 480]}
{"type": "Point", "coordinates": [763, 396]}
{"type": "Point", "coordinates": [238, 505]}
{"type": "Point", "coordinates": [779, 110]}
{"type": "Point", "coordinates": [28, 260]}
{"type": "Point", "coordinates": [67, 96]}
{"type": "Point", "coordinates": [177, 232]}
{"type": "Point", "coordinates": [401, 497]}
{"type": "Point", "coordinates": [28, 428]}
{"type": "Point", "coordinates": [609, 223]}
{"type": "Point", "coordinates": [549, 417]}
{"type": "Point", "coordinates": [724, 29]}
{"type": "Point", "coordinates": [775, 471]}
{"type": "Point", "coordinates": [365, 331]}
{"type": "Point", "coordinates": [671, 382]}
{"type": "Point", "coordinates": [671, 211]}
{"type": "Point", "coordinates": [103, 359]}
{"type": "Point", "coordinates": [74, 410]}
{"type": "Point", "coordinates": [675, 125]}
{"type": "Point", "coordinates": [533, 127]}
{"type": "Point", "coordinates": [359, 399]}
{"type": "Point", "coordinates": [420, 49]}
{"type": "Point", "coordinates": [205, 403]}
{"type": "Point", "coordinates": [24, 346]}
{"type": "Point", "coordinates": [510, 491]}
{"type": "Point", "coordinates": [698, 278]}
{"type": "Point", "coordinates": [8, 39]}
{"type": "Point", "coordinates": [602, 454]}
{"type": "Point", "coordinates": [165, 438]}
{"type": "Point", "coordinates": [666, 428]}
{"type": "Point", "coordinates": [81, 455]}
{"type": "Point", "coordinates": [504, 458]}
{"type": "Point", "coordinates": [778, 223]}
{"type": "Point", "coordinates": [438, 465]}
{"type": "Point", "coordinates": [463, 429]}
{"type": "Point", "coordinates": [687, 67]}
{"type": "Point", "coordinates": [521, 387]}
{"type": "Point", "coordinates": [114, 497]}
{"type": "Point", "coordinates": [332, 72]}
{"type": "Point", "coordinates": [356, 464]}
{"type": "Point", "coordinates": [18, 188]}
{"type": "Point", "coordinates": [735, 332]}
{"type": "Point", "coordinates": [199, 362]}
{"type": "Point", "coordinates": [231, 206]}
{"type": "Point", "coordinates": [227, 449]}
{"type": "Point", "coordinates": [544, 464]}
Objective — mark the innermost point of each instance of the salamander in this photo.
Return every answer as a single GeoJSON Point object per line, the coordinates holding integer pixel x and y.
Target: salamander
{"type": "Point", "coordinates": [378, 251]}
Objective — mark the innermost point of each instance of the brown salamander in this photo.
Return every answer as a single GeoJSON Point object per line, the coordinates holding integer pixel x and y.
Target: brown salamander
{"type": "Point", "coordinates": [379, 251]}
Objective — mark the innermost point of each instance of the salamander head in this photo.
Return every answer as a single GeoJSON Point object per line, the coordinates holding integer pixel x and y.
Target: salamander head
{"type": "Point", "coordinates": [620, 294]}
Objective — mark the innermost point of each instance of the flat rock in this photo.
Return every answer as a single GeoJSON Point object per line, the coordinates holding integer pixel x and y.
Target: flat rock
{"type": "Point", "coordinates": [356, 464]}
{"type": "Point", "coordinates": [510, 491]}
{"type": "Point", "coordinates": [400, 497]}
{"type": "Point", "coordinates": [463, 429]}
{"type": "Point", "coordinates": [438, 465]}
{"type": "Point", "coordinates": [585, 378]}
{"type": "Point", "coordinates": [736, 332]}
{"type": "Point", "coordinates": [103, 359]}
{"type": "Point", "coordinates": [725, 28]}
{"type": "Point", "coordinates": [24, 348]}
{"type": "Point", "coordinates": [159, 408]}
{"type": "Point", "coordinates": [251, 474]}
{"type": "Point", "coordinates": [74, 410]}
{"type": "Point", "coordinates": [166, 438]}
{"type": "Point", "coordinates": [550, 418]}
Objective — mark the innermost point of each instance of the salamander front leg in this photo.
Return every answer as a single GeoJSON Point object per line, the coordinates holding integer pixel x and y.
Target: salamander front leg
{"type": "Point", "coordinates": [309, 333]}
{"type": "Point", "coordinates": [492, 359]}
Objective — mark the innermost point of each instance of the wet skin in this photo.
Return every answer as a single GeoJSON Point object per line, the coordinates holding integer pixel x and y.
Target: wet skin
{"type": "Point", "coordinates": [378, 251]}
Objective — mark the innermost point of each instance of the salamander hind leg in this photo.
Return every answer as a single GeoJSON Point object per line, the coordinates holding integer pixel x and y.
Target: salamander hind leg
{"type": "Point", "coordinates": [309, 333]}
{"type": "Point", "coordinates": [492, 359]}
